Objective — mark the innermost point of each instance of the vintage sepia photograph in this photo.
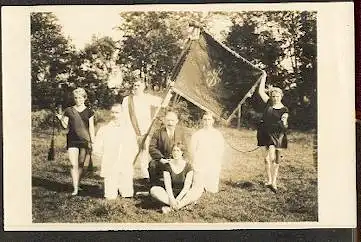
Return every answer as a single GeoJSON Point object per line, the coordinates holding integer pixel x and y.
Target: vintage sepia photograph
{"type": "Point", "coordinates": [179, 117]}
{"type": "Point", "coordinates": [174, 116]}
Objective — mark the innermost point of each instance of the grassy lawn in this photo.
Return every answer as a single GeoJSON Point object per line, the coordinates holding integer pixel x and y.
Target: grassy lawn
{"type": "Point", "coordinates": [242, 196]}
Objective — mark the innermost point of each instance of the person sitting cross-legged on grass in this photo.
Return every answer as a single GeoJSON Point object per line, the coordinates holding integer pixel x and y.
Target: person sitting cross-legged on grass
{"type": "Point", "coordinates": [116, 146]}
{"type": "Point", "coordinates": [178, 176]}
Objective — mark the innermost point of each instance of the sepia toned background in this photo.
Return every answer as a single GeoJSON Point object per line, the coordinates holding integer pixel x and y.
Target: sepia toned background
{"type": "Point", "coordinates": [335, 61]}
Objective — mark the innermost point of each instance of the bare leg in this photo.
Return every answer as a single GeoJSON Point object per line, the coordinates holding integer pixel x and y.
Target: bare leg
{"type": "Point", "coordinates": [73, 154]}
{"type": "Point", "coordinates": [276, 167]}
{"type": "Point", "coordinates": [268, 161]}
{"type": "Point", "coordinates": [89, 161]}
{"type": "Point", "coordinates": [192, 196]}
{"type": "Point", "coordinates": [83, 156]}
{"type": "Point", "coordinates": [160, 194]}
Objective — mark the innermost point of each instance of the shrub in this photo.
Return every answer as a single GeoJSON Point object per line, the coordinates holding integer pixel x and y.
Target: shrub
{"type": "Point", "coordinates": [43, 119]}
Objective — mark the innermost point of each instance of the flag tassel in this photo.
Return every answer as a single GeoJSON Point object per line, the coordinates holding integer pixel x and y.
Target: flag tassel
{"type": "Point", "coordinates": [51, 152]}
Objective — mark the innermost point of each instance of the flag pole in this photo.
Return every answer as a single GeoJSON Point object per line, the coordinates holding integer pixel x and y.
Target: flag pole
{"type": "Point", "coordinates": [239, 116]}
{"type": "Point", "coordinates": [174, 73]}
{"type": "Point", "coordinates": [249, 93]}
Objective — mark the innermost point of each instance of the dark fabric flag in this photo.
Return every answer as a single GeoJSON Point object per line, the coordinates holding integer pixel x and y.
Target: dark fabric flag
{"type": "Point", "coordinates": [214, 77]}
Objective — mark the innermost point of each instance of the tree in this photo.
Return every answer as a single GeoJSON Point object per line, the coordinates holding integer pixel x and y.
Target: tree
{"type": "Point", "coordinates": [152, 43]}
{"type": "Point", "coordinates": [51, 53]}
{"type": "Point", "coordinates": [271, 39]}
{"type": "Point", "coordinates": [91, 69]}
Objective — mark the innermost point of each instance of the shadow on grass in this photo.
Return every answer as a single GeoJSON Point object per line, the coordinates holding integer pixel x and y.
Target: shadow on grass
{"type": "Point", "coordinates": [87, 190]}
{"type": "Point", "coordinates": [147, 202]}
{"type": "Point", "coordinates": [246, 185]}
{"type": "Point", "coordinates": [144, 201]}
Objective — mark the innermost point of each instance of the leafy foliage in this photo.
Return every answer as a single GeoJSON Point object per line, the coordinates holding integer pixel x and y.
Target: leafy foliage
{"type": "Point", "coordinates": [57, 68]}
{"type": "Point", "coordinates": [51, 55]}
{"type": "Point", "coordinates": [283, 43]}
{"type": "Point", "coordinates": [152, 43]}
{"type": "Point", "coordinates": [94, 65]}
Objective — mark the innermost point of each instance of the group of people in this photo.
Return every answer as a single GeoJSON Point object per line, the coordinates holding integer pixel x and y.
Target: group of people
{"type": "Point", "coordinates": [176, 170]}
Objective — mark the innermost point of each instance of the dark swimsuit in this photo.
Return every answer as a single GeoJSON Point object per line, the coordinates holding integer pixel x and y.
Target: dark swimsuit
{"type": "Point", "coordinates": [271, 131]}
{"type": "Point", "coordinates": [73, 140]}
{"type": "Point", "coordinates": [178, 179]}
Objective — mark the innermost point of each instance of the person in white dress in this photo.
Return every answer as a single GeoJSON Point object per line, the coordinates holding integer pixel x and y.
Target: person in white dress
{"type": "Point", "coordinates": [116, 146]}
{"type": "Point", "coordinates": [207, 148]}
{"type": "Point", "coordinates": [137, 108]}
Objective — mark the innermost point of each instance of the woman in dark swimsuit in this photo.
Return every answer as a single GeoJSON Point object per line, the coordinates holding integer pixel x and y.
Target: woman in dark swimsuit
{"type": "Point", "coordinates": [80, 123]}
{"type": "Point", "coordinates": [272, 132]}
{"type": "Point", "coordinates": [178, 176]}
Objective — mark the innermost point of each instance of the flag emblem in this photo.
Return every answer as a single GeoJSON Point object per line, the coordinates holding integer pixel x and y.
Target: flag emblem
{"type": "Point", "coordinates": [213, 77]}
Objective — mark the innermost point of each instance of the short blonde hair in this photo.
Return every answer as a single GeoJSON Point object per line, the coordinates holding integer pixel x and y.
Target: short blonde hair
{"type": "Point", "coordinates": [80, 92]}
{"type": "Point", "coordinates": [276, 89]}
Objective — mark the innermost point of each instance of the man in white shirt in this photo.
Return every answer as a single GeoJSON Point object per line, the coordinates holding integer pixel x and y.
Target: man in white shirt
{"type": "Point", "coordinates": [116, 154]}
{"type": "Point", "coordinates": [138, 107]}
{"type": "Point", "coordinates": [207, 148]}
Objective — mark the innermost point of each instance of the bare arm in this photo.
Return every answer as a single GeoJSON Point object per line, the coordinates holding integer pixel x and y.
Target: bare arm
{"type": "Point", "coordinates": [186, 187]}
{"type": "Point", "coordinates": [168, 188]}
{"type": "Point", "coordinates": [284, 120]}
{"type": "Point", "coordinates": [64, 120]}
{"type": "Point", "coordinates": [262, 87]}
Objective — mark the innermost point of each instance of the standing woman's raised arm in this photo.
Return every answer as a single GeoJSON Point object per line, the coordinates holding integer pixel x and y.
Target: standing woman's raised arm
{"type": "Point", "coordinates": [64, 120]}
{"type": "Point", "coordinates": [262, 87]}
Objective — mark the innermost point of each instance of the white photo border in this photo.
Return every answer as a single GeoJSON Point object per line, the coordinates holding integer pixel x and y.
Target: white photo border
{"type": "Point", "coordinates": [336, 118]}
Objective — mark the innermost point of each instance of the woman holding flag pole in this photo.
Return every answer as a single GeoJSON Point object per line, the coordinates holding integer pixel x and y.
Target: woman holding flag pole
{"type": "Point", "coordinates": [272, 131]}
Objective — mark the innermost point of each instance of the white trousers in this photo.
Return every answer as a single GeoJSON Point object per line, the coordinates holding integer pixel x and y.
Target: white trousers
{"type": "Point", "coordinates": [118, 182]}
{"type": "Point", "coordinates": [144, 160]}
{"type": "Point", "coordinates": [208, 178]}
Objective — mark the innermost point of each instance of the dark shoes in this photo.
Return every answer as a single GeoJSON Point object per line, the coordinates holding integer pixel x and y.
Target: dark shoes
{"type": "Point", "coordinates": [272, 187]}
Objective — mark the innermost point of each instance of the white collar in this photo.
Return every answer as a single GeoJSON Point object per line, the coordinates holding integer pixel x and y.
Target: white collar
{"type": "Point", "coordinates": [170, 132]}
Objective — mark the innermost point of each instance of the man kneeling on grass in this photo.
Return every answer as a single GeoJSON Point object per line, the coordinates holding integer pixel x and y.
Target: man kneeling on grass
{"type": "Point", "coordinates": [116, 146]}
{"type": "Point", "coordinates": [178, 177]}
